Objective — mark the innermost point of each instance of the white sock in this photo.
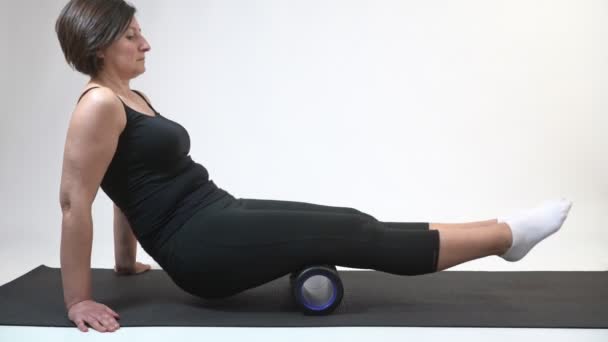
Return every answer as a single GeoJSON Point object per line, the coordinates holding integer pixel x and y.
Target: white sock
{"type": "Point", "coordinates": [529, 227]}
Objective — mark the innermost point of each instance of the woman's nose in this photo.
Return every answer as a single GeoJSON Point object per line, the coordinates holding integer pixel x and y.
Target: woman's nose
{"type": "Point", "coordinates": [146, 47]}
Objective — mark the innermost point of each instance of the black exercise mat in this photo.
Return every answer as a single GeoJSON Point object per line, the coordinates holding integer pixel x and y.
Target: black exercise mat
{"type": "Point", "coordinates": [533, 299]}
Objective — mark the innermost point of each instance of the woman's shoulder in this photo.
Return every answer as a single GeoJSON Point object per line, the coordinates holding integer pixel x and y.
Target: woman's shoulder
{"type": "Point", "coordinates": [99, 100]}
{"type": "Point", "coordinates": [97, 93]}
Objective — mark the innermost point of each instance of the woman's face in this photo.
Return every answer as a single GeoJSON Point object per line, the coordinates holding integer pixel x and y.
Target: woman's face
{"type": "Point", "coordinates": [125, 56]}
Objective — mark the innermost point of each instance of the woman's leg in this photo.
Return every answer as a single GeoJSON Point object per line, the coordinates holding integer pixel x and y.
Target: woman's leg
{"type": "Point", "coordinates": [492, 241]}
{"type": "Point", "coordinates": [441, 226]}
{"type": "Point", "coordinates": [252, 242]}
{"type": "Point", "coordinates": [264, 204]}
{"type": "Point", "coordinates": [292, 205]}
{"type": "Point", "coordinates": [462, 244]}
{"type": "Point", "coordinates": [244, 245]}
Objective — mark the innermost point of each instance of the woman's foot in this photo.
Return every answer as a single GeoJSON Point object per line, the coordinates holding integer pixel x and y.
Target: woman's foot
{"type": "Point", "coordinates": [532, 226]}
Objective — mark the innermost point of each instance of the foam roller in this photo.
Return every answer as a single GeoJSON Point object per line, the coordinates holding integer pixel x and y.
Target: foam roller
{"type": "Point", "coordinates": [317, 289]}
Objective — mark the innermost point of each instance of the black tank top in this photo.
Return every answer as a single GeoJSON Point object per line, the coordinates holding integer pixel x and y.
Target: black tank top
{"type": "Point", "coordinates": [153, 180]}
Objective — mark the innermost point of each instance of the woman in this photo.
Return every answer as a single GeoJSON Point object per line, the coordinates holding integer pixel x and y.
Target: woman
{"type": "Point", "coordinates": [210, 243]}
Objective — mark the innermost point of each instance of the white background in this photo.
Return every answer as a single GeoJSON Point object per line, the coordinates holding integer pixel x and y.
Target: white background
{"type": "Point", "coordinates": [440, 111]}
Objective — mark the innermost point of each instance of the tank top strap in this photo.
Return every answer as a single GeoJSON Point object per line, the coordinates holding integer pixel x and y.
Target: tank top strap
{"type": "Point", "coordinates": [86, 91]}
{"type": "Point", "coordinates": [143, 97]}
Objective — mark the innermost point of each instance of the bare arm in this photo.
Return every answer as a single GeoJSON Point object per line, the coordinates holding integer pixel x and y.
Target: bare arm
{"type": "Point", "coordinates": [90, 146]}
{"type": "Point", "coordinates": [125, 243]}
{"type": "Point", "coordinates": [76, 243]}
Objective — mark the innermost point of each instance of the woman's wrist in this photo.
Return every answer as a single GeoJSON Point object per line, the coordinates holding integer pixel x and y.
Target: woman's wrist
{"type": "Point", "coordinates": [137, 268]}
{"type": "Point", "coordinates": [124, 268]}
{"type": "Point", "coordinates": [78, 301]}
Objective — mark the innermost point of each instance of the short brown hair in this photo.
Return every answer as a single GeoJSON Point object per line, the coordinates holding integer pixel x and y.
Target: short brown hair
{"type": "Point", "coordinates": [86, 26]}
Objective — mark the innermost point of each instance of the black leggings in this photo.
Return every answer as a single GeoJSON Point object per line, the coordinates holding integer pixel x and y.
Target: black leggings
{"type": "Point", "coordinates": [237, 244]}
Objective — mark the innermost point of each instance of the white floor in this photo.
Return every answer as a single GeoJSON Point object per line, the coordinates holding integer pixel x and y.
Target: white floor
{"type": "Point", "coordinates": [354, 334]}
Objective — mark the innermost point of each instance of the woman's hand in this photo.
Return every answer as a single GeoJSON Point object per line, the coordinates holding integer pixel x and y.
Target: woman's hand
{"type": "Point", "coordinates": [135, 269]}
{"type": "Point", "coordinates": [97, 315]}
